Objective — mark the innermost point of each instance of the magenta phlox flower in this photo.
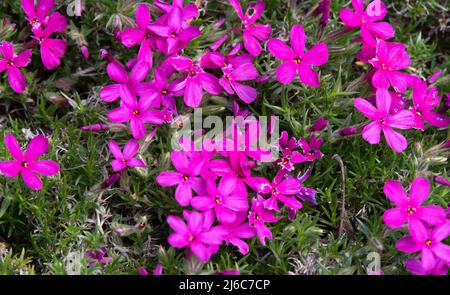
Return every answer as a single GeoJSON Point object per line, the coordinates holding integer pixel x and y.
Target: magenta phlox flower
{"type": "Point", "coordinates": [252, 33]}
{"type": "Point", "coordinates": [367, 21]}
{"type": "Point", "coordinates": [173, 33]}
{"type": "Point", "coordinates": [390, 58]}
{"type": "Point", "coordinates": [141, 34]}
{"type": "Point", "coordinates": [280, 189]}
{"type": "Point", "coordinates": [424, 101]}
{"type": "Point", "coordinates": [27, 164]}
{"type": "Point", "coordinates": [125, 158]}
{"type": "Point", "coordinates": [258, 216]}
{"type": "Point", "coordinates": [410, 207]}
{"type": "Point", "coordinates": [429, 243]}
{"type": "Point", "coordinates": [52, 50]}
{"type": "Point", "coordinates": [236, 232]}
{"type": "Point", "coordinates": [125, 82]}
{"type": "Point", "coordinates": [11, 62]}
{"type": "Point", "coordinates": [186, 178]}
{"type": "Point", "coordinates": [197, 233]}
{"type": "Point", "coordinates": [225, 199]}
{"type": "Point", "coordinates": [383, 121]}
{"type": "Point", "coordinates": [136, 112]}
{"type": "Point", "coordinates": [296, 60]}
{"type": "Point", "coordinates": [195, 81]}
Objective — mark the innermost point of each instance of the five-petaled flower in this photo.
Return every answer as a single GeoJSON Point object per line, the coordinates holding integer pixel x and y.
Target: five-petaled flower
{"type": "Point", "coordinates": [410, 208]}
{"type": "Point", "coordinates": [125, 158]}
{"type": "Point", "coordinates": [296, 60]}
{"type": "Point", "coordinates": [11, 62]}
{"type": "Point", "coordinates": [383, 121]}
{"type": "Point", "coordinates": [27, 164]}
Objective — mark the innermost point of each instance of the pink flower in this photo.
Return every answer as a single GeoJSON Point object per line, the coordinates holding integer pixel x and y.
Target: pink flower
{"type": "Point", "coordinates": [311, 149]}
{"type": "Point", "coordinates": [237, 231]}
{"type": "Point", "coordinates": [287, 145]}
{"type": "Point", "coordinates": [196, 80]}
{"type": "Point", "coordinates": [37, 16]}
{"type": "Point", "coordinates": [186, 178]}
{"type": "Point", "coordinates": [389, 59]}
{"type": "Point", "coordinates": [280, 189]}
{"type": "Point", "coordinates": [319, 125]}
{"type": "Point", "coordinates": [433, 78]}
{"type": "Point", "coordinates": [442, 180]}
{"type": "Point", "coordinates": [225, 200]}
{"type": "Point", "coordinates": [367, 21]}
{"type": "Point", "coordinates": [216, 60]}
{"type": "Point", "coordinates": [161, 91]}
{"type": "Point", "coordinates": [415, 266]}
{"type": "Point", "coordinates": [252, 32]}
{"type": "Point", "coordinates": [198, 234]}
{"type": "Point", "coordinates": [126, 82]}
{"type": "Point", "coordinates": [230, 79]}
{"type": "Point", "coordinates": [11, 62]}
{"type": "Point", "coordinates": [99, 256]}
{"type": "Point", "coordinates": [136, 112]}
{"type": "Point", "coordinates": [142, 271]}
{"type": "Point", "coordinates": [429, 243]}
{"type": "Point", "coordinates": [296, 60]}
{"type": "Point", "coordinates": [409, 208]}
{"type": "Point", "coordinates": [175, 35]}
{"type": "Point", "coordinates": [158, 270]}
{"type": "Point", "coordinates": [348, 131]}
{"type": "Point", "coordinates": [424, 101]}
{"type": "Point", "coordinates": [257, 218]}
{"type": "Point", "coordinates": [127, 157]}
{"type": "Point", "coordinates": [27, 164]}
{"type": "Point", "coordinates": [52, 50]}
{"type": "Point", "coordinates": [382, 121]}
{"type": "Point", "coordinates": [85, 52]}
{"type": "Point", "coordinates": [140, 35]}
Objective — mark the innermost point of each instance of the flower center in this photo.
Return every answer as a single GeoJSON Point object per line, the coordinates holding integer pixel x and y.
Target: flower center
{"type": "Point", "coordinates": [411, 210]}
{"type": "Point", "coordinates": [185, 177]}
{"type": "Point", "coordinates": [217, 200]}
{"type": "Point", "coordinates": [164, 91]}
{"type": "Point", "coordinates": [136, 113]}
{"type": "Point", "coordinates": [228, 76]}
{"type": "Point", "coordinates": [173, 34]}
{"type": "Point", "coordinates": [428, 242]}
{"type": "Point", "coordinates": [256, 216]}
{"type": "Point", "coordinates": [297, 60]}
{"type": "Point", "coordinates": [24, 164]}
{"type": "Point", "coordinates": [192, 73]}
{"type": "Point", "coordinates": [384, 67]}
{"type": "Point", "coordinates": [124, 161]}
{"type": "Point", "coordinates": [191, 238]}
{"type": "Point", "coordinates": [10, 63]}
{"type": "Point", "coordinates": [382, 121]}
{"type": "Point", "coordinates": [35, 21]}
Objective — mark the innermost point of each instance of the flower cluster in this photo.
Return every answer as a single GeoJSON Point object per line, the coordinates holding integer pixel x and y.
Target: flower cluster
{"type": "Point", "coordinates": [428, 227]}
{"type": "Point", "coordinates": [229, 202]}
{"type": "Point", "coordinates": [43, 25]}
{"type": "Point", "coordinates": [388, 59]}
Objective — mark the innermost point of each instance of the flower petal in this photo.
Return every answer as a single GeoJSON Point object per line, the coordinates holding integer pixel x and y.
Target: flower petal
{"type": "Point", "coordinates": [286, 72]}
{"type": "Point", "coordinates": [31, 179]}
{"type": "Point", "coordinates": [13, 147]}
{"type": "Point", "coordinates": [37, 147]}
{"type": "Point", "coordinates": [45, 167]}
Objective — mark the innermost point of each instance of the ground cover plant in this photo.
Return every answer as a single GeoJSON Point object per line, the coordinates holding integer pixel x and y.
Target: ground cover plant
{"type": "Point", "coordinates": [103, 170]}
